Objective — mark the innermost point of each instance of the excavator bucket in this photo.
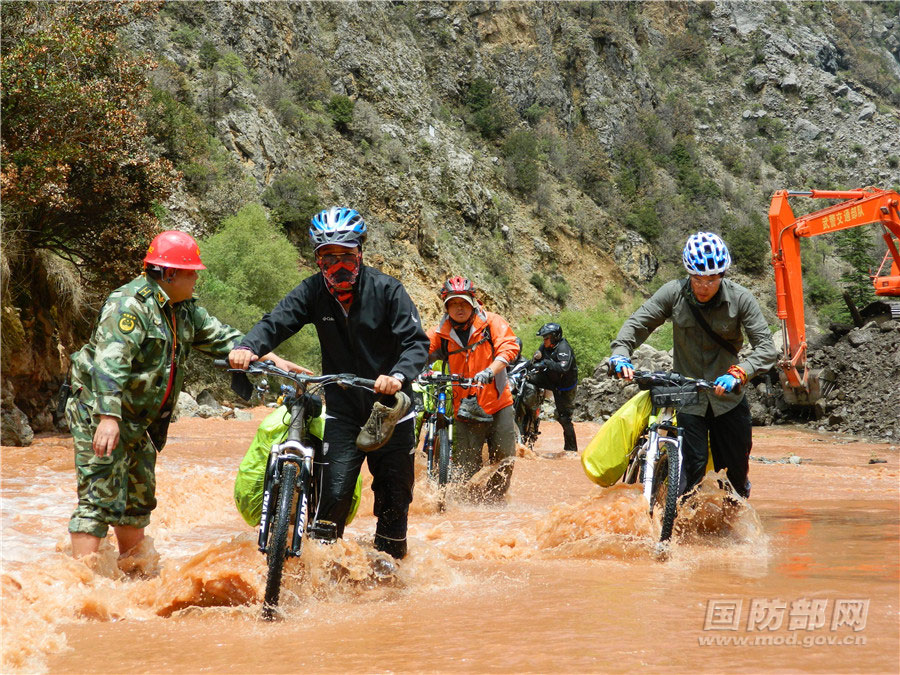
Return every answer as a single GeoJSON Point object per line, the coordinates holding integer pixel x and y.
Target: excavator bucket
{"type": "Point", "coordinates": [819, 381]}
{"type": "Point", "coordinates": [880, 310]}
{"type": "Point", "coordinates": [802, 397]}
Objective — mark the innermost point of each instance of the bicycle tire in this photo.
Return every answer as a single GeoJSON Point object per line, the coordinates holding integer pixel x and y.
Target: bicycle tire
{"type": "Point", "coordinates": [667, 498]}
{"type": "Point", "coordinates": [443, 452]}
{"type": "Point", "coordinates": [277, 547]}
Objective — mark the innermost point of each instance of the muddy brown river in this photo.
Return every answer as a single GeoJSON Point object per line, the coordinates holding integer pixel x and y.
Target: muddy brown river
{"type": "Point", "coordinates": [562, 578]}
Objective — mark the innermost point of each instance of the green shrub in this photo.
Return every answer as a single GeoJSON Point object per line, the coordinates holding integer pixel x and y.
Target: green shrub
{"type": "Point", "coordinates": [561, 291]}
{"type": "Point", "coordinates": [644, 219]}
{"type": "Point", "coordinates": [293, 199]}
{"type": "Point", "coordinates": [534, 113]}
{"type": "Point", "coordinates": [250, 266]}
{"type": "Point", "coordinates": [521, 152]}
{"type": "Point", "coordinates": [588, 331]}
{"type": "Point", "coordinates": [538, 282]}
{"type": "Point", "coordinates": [185, 36]}
{"type": "Point", "coordinates": [208, 55]}
{"type": "Point", "coordinates": [479, 94]}
{"type": "Point", "coordinates": [489, 122]}
{"type": "Point", "coordinates": [176, 127]}
{"type": "Point", "coordinates": [310, 79]}
{"type": "Point", "coordinates": [749, 246]}
{"type": "Point", "coordinates": [340, 108]}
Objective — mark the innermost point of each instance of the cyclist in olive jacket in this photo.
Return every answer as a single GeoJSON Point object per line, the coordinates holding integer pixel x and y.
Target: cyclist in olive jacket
{"type": "Point", "coordinates": [367, 325]}
{"type": "Point", "coordinates": [722, 421]}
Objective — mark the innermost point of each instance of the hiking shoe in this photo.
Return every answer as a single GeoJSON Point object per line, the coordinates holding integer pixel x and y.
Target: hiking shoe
{"type": "Point", "coordinates": [379, 428]}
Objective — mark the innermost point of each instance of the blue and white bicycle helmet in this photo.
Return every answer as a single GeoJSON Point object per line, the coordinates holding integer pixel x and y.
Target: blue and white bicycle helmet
{"type": "Point", "coordinates": [705, 254]}
{"type": "Point", "coordinates": [337, 225]}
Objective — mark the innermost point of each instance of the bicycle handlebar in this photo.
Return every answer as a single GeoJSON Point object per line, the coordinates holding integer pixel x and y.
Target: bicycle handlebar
{"type": "Point", "coordinates": [341, 379]}
{"type": "Point", "coordinates": [646, 379]}
{"type": "Point", "coordinates": [455, 380]}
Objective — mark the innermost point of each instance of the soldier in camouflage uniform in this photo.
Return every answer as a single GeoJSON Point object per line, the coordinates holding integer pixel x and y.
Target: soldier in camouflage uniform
{"type": "Point", "coordinates": [125, 383]}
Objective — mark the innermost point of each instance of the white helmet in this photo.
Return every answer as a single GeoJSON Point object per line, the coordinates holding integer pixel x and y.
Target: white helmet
{"type": "Point", "coordinates": [705, 254]}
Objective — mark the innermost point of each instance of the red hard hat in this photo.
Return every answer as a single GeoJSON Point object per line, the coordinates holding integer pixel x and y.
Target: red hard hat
{"type": "Point", "coordinates": [174, 249]}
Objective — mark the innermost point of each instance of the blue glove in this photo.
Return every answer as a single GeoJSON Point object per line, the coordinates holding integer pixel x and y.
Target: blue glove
{"type": "Point", "coordinates": [727, 382]}
{"type": "Point", "coordinates": [484, 376]}
{"type": "Point", "coordinates": [618, 363]}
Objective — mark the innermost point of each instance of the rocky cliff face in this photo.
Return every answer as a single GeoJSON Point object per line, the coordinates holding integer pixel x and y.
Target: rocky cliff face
{"type": "Point", "coordinates": [750, 74]}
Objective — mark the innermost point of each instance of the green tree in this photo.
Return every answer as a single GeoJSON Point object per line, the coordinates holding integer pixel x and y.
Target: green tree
{"type": "Point", "coordinates": [855, 247]}
{"type": "Point", "coordinates": [250, 266]}
{"type": "Point", "coordinates": [77, 176]}
{"type": "Point", "coordinates": [479, 94]}
{"type": "Point", "coordinates": [293, 199]}
{"type": "Point", "coordinates": [521, 152]}
{"type": "Point", "coordinates": [234, 70]}
{"type": "Point", "coordinates": [340, 108]}
{"type": "Point", "coordinates": [79, 184]}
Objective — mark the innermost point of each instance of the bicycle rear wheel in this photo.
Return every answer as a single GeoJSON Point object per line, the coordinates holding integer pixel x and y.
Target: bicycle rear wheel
{"type": "Point", "coordinates": [442, 451]}
{"type": "Point", "coordinates": [277, 547]}
{"type": "Point", "coordinates": [666, 477]}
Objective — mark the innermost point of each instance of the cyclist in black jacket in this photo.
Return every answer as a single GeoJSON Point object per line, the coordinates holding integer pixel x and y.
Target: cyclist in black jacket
{"type": "Point", "coordinates": [367, 325]}
{"type": "Point", "coordinates": [558, 371]}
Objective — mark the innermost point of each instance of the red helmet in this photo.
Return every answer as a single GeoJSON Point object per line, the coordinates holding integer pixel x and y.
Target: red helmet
{"type": "Point", "coordinates": [174, 249]}
{"type": "Point", "coordinates": [458, 287]}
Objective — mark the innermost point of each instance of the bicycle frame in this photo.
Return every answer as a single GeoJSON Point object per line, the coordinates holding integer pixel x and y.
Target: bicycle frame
{"type": "Point", "coordinates": [435, 420]}
{"type": "Point", "coordinates": [527, 420]}
{"type": "Point", "coordinates": [439, 408]}
{"type": "Point", "coordinates": [662, 433]}
{"type": "Point", "coordinates": [293, 450]}
{"type": "Point", "coordinates": [668, 391]}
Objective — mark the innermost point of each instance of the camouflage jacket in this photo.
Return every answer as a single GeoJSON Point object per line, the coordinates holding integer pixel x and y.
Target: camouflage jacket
{"type": "Point", "coordinates": [125, 369]}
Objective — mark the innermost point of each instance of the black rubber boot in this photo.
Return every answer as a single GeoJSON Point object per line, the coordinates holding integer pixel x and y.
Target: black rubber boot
{"type": "Point", "coordinates": [570, 444]}
{"type": "Point", "coordinates": [393, 547]}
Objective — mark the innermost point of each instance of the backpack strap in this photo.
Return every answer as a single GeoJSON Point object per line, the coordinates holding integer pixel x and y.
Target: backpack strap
{"type": "Point", "coordinates": [698, 316]}
{"type": "Point", "coordinates": [485, 337]}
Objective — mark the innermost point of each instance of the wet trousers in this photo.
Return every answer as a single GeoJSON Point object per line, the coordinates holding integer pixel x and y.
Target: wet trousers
{"type": "Point", "coordinates": [730, 438]}
{"type": "Point", "coordinates": [470, 437]}
{"type": "Point", "coordinates": [119, 489]}
{"type": "Point", "coordinates": [565, 406]}
{"type": "Point", "coordinates": [393, 476]}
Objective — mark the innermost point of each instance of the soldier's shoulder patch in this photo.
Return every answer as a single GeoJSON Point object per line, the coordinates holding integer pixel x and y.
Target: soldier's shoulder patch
{"type": "Point", "coordinates": [145, 292]}
{"type": "Point", "coordinates": [127, 322]}
{"type": "Point", "coordinates": [160, 298]}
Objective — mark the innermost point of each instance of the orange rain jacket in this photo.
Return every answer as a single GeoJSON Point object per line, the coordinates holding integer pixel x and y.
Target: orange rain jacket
{"type": "Point", "coordinates": [470, 359]}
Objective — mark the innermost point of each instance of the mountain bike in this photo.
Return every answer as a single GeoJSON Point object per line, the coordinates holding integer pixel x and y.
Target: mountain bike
{"type": "Point", "coordinates": [656, 460]}
{"type": "Point", "coordinates": [294, 475]}
{"type": "Point", "coordinates": [437, 403]}
{"type": "Point", "coordinates": [527, 400]}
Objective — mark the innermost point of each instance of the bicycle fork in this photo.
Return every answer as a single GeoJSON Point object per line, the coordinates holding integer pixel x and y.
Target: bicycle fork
{"type": "Point", "coordinates": [302, 456]}
{"type": "Point", "coordinates": [656, 442]}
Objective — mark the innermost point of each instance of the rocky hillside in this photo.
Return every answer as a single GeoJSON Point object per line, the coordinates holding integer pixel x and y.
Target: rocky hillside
{"type": "Point", "coordinates": [550, 151]}
{"type": "Point", "coordinates": [760, 96]}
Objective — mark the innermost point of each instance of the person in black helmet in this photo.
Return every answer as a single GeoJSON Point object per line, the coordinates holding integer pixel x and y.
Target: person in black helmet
{"type": "Point", "coordinates": [557, 370]}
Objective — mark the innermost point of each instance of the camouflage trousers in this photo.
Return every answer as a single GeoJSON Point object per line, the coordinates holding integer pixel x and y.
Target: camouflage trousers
{"type": "Point", "coordinates": [116, 490]}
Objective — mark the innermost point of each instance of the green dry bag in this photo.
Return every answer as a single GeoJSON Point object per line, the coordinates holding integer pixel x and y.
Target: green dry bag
{"type": "Point", "coordinates": [248, 485]}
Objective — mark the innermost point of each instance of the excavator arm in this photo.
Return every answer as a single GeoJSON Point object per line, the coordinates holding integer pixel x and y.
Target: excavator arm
{"type": "Point", "coordinates": [861, 207]}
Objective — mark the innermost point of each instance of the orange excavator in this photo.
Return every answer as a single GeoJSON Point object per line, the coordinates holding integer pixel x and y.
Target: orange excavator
{"type": "Point", "coordinates": [866, 206]}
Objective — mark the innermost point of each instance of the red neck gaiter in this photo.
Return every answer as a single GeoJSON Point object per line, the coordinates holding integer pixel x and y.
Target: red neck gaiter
{"type": "Point", "coordinates": [340, 278]}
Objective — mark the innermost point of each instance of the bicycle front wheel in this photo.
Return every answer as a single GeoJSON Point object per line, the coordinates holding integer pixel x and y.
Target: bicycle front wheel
{"type": "Point", "coordinates": [442, 450]}
{"type": "Point", "coordinates": [666, 478]}
{"type": "Point", "coordinates": [277, 547]}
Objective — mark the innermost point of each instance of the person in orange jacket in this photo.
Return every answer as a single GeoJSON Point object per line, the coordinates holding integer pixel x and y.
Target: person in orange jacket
{"type": "Point", "coordinates": [478, 344]}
